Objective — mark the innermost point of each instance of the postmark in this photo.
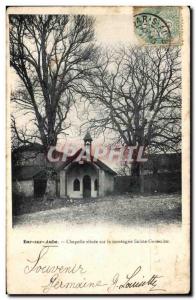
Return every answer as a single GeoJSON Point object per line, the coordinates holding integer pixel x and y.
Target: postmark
{"type": "Point", "coordinates": [158, 25]}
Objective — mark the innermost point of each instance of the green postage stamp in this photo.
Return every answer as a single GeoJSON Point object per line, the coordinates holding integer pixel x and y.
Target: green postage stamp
{"type": "Point", "coordinates": [158, 25]}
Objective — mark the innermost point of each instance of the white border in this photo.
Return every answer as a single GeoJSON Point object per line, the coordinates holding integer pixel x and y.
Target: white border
{"type": "Point", "coordinates": [191, 3]}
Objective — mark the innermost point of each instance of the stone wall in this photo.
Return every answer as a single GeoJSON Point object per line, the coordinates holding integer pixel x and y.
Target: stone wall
{"type": "Point", "coordinates": [24, 188]}
{"type": "Point", "coordinates": [51, 188]}
{"type": "Point", "coordinates": [109, 183]}
{"type": "Point", "coordinates": [161, 183]}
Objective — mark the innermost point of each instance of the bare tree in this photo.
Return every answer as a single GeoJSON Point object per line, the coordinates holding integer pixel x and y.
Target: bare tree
{"type": "Point", "coordinates": [20, 136]}
{"type": "Point", "coordinates": [136, 93]}
{"type": "Point", "coordinates": [50, 54]}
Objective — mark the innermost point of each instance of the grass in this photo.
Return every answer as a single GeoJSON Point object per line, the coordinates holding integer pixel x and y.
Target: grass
{"type": "Point", "coordinates": [26, 205]}
{"type": "Point", "coordinates": [119, 209]}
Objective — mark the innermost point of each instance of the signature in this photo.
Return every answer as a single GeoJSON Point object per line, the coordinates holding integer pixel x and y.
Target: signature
{"type": "Point", "coordinates": [75, 277]}
{"type": "Point", "coordinates": [132, 281]}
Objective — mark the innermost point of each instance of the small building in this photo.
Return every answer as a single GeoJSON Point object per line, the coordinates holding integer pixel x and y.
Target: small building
{"type": "Point", "coordinates": [75, 178]}
{"type": "Point", "coordinates": [83, 178]}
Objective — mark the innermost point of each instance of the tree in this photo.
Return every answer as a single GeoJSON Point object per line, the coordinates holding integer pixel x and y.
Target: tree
{"type": "Point", "coordinates": [51, 54]}
{"type": "Point", "coordinates": [136, 93]}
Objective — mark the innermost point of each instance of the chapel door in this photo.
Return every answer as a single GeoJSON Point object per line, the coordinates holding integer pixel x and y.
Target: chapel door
{"type": "Point", "coordinates": [39, 187]}
{"type": "Point", "coordinates": [86, 186]}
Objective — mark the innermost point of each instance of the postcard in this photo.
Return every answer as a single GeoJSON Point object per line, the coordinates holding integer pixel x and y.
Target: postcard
{"type": "Point", "coordinates": [98, 150]}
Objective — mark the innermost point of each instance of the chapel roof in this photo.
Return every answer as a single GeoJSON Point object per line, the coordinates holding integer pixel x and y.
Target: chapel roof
{"type": "Point", "coordinates": [96, 161]}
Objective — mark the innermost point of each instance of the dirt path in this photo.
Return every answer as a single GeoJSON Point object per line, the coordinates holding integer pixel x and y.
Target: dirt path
{"type": "Point", "coordinates": [124, 210]}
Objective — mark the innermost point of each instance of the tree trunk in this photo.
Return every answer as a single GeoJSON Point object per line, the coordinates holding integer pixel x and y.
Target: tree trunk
{"type": "Point", "coordinates": [141, 178]}
{"type": "Point", "coordinates": [138, 173]}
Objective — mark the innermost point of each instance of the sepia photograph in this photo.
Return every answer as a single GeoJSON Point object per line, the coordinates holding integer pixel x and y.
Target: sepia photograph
{"type": "Point", "coordinates": [95, 124]}
{"type": "Point", "coordinates": [98, 150]}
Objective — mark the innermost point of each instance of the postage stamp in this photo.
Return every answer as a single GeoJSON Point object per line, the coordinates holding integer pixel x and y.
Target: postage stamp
{"type": "Point", "coordinates": [158, 25]}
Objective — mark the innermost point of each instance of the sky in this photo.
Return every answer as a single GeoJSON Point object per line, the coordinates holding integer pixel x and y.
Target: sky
{"type": "Point", "coordinates": [111, 30]}
{"type": "Point", "coordinates": [114, 26]}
